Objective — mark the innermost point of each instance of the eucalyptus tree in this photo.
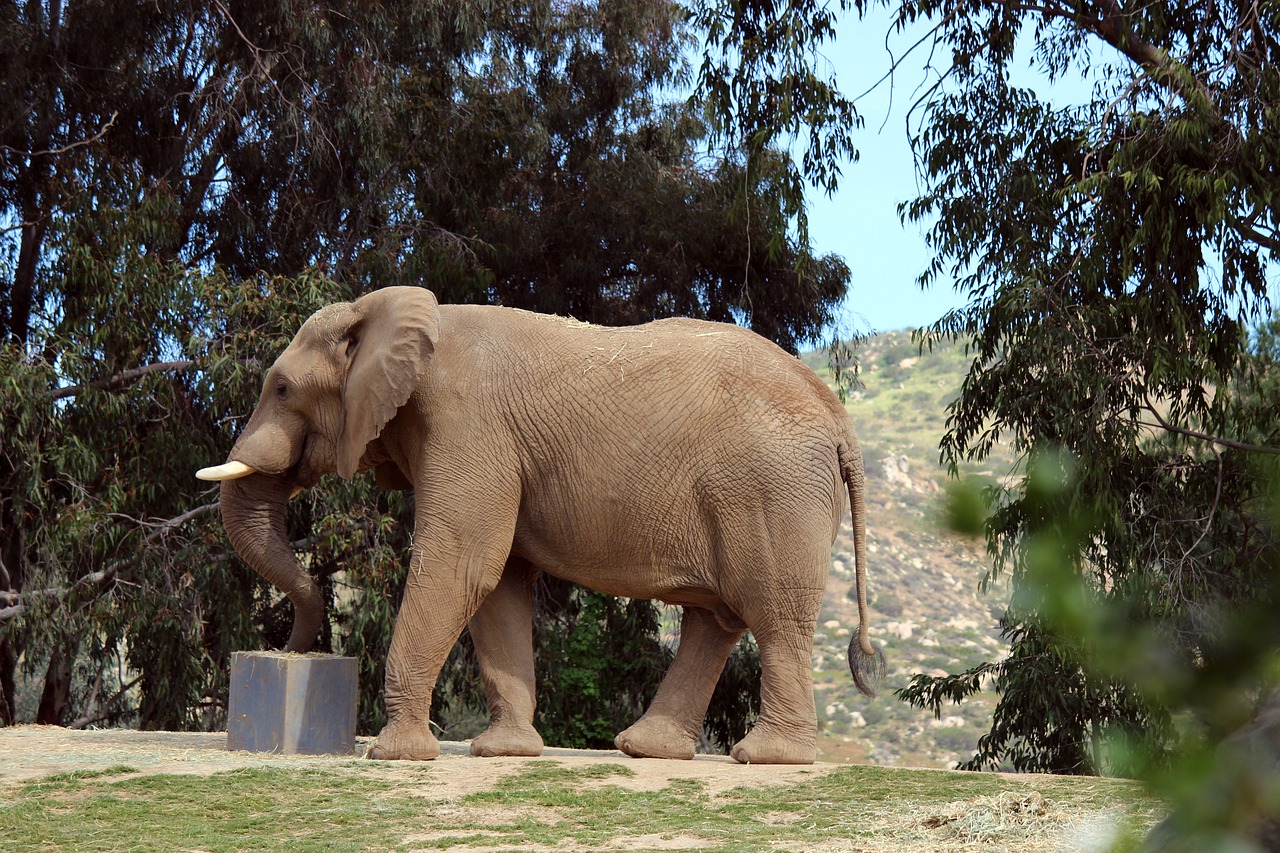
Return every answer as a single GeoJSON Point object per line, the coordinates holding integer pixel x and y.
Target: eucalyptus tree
{"type": "Point", "coordinates": [182, 182]}
{"type": "Point", "coordinates": [1115, 253]}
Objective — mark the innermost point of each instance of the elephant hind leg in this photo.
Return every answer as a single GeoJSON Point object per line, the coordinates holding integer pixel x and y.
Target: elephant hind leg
{"type": "Point", "coordinates": [786, 732]}
{"type": "Point", "coordinates": [670, 728]}
{"type": "Point", "coordinates": [502, 630]}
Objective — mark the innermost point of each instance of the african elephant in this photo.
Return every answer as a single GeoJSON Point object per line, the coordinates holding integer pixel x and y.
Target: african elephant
{"type": "Point", "coordinates": [683, 460]}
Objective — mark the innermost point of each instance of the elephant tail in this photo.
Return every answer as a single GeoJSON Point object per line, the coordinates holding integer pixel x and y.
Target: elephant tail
{"type": "Point", "coordinates": [866, 661]}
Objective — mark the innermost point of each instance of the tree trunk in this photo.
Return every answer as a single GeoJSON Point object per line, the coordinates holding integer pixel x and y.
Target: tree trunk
{"type": "Point", "coordinates": [11, 566]}
{"type": "Point", "coordinates": [8, 666]}
{"type": "Point", "coordinates": [56, 697]}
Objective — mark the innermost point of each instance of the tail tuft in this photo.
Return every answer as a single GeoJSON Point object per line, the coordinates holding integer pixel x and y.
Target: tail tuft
{"type": "Point", "coordinates": [867, 669]}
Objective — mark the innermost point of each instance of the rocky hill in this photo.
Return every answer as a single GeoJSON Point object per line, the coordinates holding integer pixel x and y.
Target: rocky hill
{"type": "Point", "coordinates": [926, 611]}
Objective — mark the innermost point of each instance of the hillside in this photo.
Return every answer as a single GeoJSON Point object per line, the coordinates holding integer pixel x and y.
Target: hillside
{"type": "Point", "coordinates": [926, 611]}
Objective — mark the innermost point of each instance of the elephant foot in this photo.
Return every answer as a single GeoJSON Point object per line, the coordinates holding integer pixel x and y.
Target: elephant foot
{"type": "Point", "coordinates": [507, 740]}
{"type": "Point", "coordinates": [762, 746]}
{"type": "Point", "coordinates": [655, 738]}
{"type": "Point", "coordinates": [404, 743]}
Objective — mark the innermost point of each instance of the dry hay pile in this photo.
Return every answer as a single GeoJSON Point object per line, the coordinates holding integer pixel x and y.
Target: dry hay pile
{"type": "Point", "coordinates": [1001, 818]}
{"type": "Point", "coordinates": [1017, 820]}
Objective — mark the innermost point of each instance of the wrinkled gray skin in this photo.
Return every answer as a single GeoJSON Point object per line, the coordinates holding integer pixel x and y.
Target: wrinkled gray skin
{"type": "Point", "coordinates": [687, 461]}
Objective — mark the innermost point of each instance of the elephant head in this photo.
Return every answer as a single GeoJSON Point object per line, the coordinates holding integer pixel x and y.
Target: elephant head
{"type": "Point", "coordinates": [332, 391]}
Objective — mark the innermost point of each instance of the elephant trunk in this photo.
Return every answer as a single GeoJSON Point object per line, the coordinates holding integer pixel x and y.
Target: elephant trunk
{"type": "Point", "coordinates": [253, 514]}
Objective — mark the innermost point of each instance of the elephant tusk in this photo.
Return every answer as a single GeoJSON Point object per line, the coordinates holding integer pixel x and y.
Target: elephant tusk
{"type": "Point", "coordinates": [225, 471]}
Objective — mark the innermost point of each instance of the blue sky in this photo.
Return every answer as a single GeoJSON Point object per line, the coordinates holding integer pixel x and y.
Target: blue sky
{"type": "Point", "coordinates": [860, 222]}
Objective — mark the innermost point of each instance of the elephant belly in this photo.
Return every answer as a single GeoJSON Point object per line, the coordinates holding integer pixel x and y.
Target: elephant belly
{"type": "Point", "coordinates": [636, 561]}
{"type": "Point", "coordinates": [616, 574]}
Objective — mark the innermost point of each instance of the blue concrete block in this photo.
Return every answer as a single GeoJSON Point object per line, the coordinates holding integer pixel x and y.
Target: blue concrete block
{"type": "Point", "coordinates": [292, 704]}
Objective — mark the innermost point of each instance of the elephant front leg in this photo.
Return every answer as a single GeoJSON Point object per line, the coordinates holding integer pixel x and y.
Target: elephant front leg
{"type": "Point", "coordinates": [502, 631]}
{"type": "Point", "coordinates": [670, 728]}
{"type": "Point", "coordinates": [438, 601]}
{"type": "Point", "coordinates": [407, 735]}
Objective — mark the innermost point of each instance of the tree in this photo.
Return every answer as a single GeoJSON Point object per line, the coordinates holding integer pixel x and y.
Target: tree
{"type": "Point", "coordinates": [1115, 254]}
{"type": "Point", "coordinates": [176, 198]}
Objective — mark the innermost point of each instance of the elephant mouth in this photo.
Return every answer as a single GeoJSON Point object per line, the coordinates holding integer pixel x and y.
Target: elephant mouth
{"type": "Point", "coordinates": [304, 467]}
{"type": "Point", "coordinates": [235, 470]}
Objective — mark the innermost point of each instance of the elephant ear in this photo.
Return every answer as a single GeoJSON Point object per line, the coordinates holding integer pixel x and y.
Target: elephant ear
{"type": "Point", "coordinates": [388, 350]}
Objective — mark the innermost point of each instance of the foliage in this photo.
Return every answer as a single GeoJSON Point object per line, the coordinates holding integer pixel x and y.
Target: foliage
{"type": "Point", "coordinates": [762, 85]}
{"type": "Point", "coordinates": [1114, 253]}
{"type": "Point", "coordinates": [1209, 750]}
{"type": "Point", "coordinates": [600, 659]}
{"type": "Point", "coordinates": [176, 198]}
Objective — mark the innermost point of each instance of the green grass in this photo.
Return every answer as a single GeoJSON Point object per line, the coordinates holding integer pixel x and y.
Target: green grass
{"type": "Point", "coordinates": [544, 805]}
{"type": "Point", "coordinates": [267, 808]}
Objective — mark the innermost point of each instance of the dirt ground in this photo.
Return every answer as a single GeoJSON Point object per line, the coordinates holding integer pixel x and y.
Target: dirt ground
{"type": "Point", "coordinates": [30, 752]}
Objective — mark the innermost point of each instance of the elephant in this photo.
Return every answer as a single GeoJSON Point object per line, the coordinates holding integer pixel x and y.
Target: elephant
{"type": "Point", "coordinates": [683, 460]}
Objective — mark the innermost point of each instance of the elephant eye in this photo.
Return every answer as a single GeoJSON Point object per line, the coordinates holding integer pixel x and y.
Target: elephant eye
{"type": "Point", "coordinates": [282, 390]}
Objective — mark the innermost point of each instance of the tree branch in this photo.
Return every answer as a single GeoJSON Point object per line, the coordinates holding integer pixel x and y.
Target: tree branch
{"type": "Point", "coordinates": [1213, 510]}
{"type": "Point", "coordinates": [1204, 436]}
{"type": "Point", "coordinates": [15, 227]}
{"type": "Point", "coordinates": [65, 148]}
{"type": "Point", "coordinates": [1113, 28]}
{"type": "Point", "coordinates": [122, 378]}
{"type": "Point", "coordinates": [18, 601]}
{"type": "Point", "coordinates": [87, 720]}
{"type": "Point", "coordinates": [1247, 230]}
